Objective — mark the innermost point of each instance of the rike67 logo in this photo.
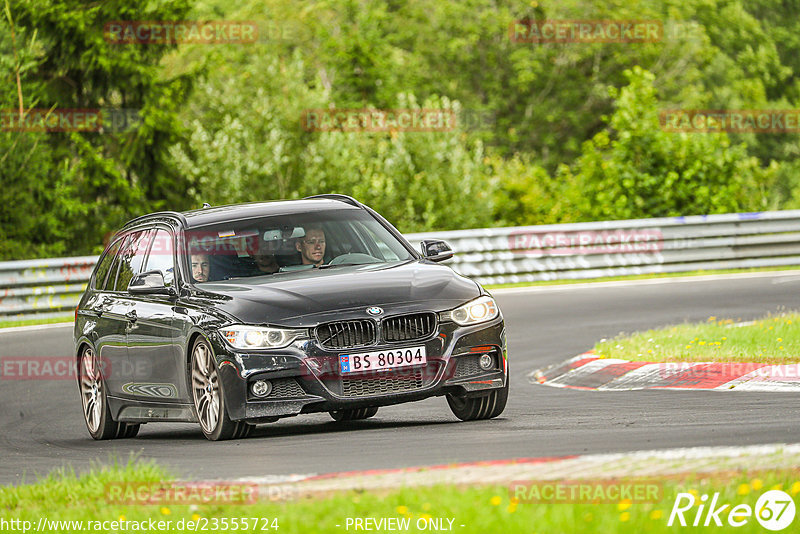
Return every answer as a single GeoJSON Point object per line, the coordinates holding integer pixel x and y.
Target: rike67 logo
{"type": "Point", "coordinates": [774, 510]}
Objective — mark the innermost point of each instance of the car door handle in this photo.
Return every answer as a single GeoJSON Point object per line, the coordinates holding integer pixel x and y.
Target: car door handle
{"type": "Point", "coordinates": [131, 315]}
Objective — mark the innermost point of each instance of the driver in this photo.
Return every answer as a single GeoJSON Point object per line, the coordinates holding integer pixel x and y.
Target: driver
{"type": "Point", "coordinates": [312, 246]}
{"type": "Point", "coordinates": [201, 266]}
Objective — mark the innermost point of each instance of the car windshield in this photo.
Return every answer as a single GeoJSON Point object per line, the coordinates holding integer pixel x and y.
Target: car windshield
{"type": "Point", "coordinates": [286, 243]}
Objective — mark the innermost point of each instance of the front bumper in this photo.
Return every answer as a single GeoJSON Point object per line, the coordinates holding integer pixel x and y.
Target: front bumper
{"type": "Point", "coordinates": [306, 378]}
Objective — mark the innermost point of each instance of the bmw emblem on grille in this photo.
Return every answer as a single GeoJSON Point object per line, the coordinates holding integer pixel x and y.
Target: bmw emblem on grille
{"type": "Point", "coordinates": [375, 310]}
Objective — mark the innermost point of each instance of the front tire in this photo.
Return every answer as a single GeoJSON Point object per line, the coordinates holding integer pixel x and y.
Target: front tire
{"type": "Point", "coordinates": [209, 401]}
{"type": "Point", "coordinates": [354, 415]}
{"type": "Point", "coordinates": [477, 408]}
{"type": "Point", "coordinates": [96, 413]}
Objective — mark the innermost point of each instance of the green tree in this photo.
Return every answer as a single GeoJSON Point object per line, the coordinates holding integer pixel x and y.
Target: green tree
{"type": "Point", "coordinates": [86, 183]}
{"type": "Point", "coordinates": [635, 169]}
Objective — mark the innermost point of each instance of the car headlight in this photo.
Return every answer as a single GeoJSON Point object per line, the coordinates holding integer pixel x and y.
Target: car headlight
{"type": "Point", "coordinates": [260, 337]}
{"type": "Point", "coordinates": [477, 311]}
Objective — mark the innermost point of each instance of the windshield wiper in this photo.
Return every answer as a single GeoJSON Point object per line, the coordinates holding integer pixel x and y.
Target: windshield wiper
{"type": "Point", "coordinates": [329, 265]}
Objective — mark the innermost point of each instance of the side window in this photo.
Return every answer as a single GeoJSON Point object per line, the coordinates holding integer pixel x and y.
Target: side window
{"type": "Point", "coordinates": [112, 273]}
{"type": "Point", "coordinates": [160, 258]}
{"type": "Point", "coordinates": [100, 274]}
{"type": "Point", "coordinates": [131, 259]}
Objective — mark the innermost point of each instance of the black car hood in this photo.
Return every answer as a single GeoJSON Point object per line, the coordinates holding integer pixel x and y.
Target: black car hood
{"type": "Point", "coordinates": [307, 298]}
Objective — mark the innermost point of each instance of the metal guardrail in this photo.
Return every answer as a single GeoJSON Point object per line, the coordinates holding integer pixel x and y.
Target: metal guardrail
{"type": "Point", "coordinates": [51, 287]}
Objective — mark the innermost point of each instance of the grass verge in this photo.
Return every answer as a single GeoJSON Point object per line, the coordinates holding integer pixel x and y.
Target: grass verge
{"type": "Point", "coordinates": [641, 277]}
{"type": "Point", "coordinates": [66, 318]}
{"type": "Point", "coordinates": [493, 508]}
{"type": "Point", "coordinates": [773, 339]}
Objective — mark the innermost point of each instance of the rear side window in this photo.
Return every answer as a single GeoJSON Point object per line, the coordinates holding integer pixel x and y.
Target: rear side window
{"type": "Point", "coordinates": [100, 274]}
{"type": "Point", "coordinates": [112, 273]}
{"type": "Point", "coordinates": [132, 258]}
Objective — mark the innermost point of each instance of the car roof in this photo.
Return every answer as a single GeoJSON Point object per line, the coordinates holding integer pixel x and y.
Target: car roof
{"type": "Point", "coordinates": [204, 216]}
{"type": "Point", "coordinates": [212, 215]}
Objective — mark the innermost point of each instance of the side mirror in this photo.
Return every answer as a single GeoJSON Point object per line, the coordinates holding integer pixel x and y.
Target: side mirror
{"type": "Point", "coordinates": [149, 283]}
{"type": "Point", "coordinates": [436, 250]}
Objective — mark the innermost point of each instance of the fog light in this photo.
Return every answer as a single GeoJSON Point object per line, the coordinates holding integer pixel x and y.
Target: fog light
{"type": "Point", "coordinates": [486, 362]}
{"type": "Point", "coordinates": [261, 388]}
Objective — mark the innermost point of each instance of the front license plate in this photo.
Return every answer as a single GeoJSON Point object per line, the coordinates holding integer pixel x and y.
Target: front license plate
{"type": "Point", "coordinates": [382, 359]}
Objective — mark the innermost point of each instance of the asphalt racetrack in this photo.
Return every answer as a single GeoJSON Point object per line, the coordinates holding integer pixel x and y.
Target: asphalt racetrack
{"type": "Point", "coordinates": [41, 425]}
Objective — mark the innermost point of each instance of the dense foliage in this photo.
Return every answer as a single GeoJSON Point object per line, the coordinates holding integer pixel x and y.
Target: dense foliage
{"type": "Point", "coordinates": [570, 132]}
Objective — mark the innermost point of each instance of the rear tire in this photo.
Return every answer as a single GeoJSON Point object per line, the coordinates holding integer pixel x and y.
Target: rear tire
{"type": "Point", "coordinates": [96, 413]}
{"type": "Point", "coordinates": [209, 400]}
{"type": "Point", "coordinates": [477, 408]}
{"type": "Point", "coordinates": [354, 415]}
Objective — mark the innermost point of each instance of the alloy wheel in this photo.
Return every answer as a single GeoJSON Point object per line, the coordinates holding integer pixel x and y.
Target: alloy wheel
{"type": "Point", "coordinates": [205, 385]}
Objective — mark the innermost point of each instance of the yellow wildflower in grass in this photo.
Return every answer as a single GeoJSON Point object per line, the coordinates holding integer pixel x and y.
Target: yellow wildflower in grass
{"type": "Point", "coordinates": [165, 510]}
{"type": "Point", "coordinates": [795, 488]}
{"type": "Point", "coordinates": [756, 484]}
{"type": "Point", "coordinates": [402, 510]}
{"type": "Point", "coordinates": [656, 514]}
{"type": "Point", "coordinates": [688, 346]}
{"type": "Point", "coordinates": [712, 318]}
{"type": "Point", "coordinates": [122, 517]}
{"type": "Point", "coordinates": [702, 343]}
{"type": "Point", "coordinates": [780, 339]}
{"type": "Point", "coordinates": [623, 505]}
{"type": "Point", "coordinates": [724, 338]}
{"type": "Point", "coordinates": [514, 501]}
{"type": "Point", "coordinates": [777, 487]}
{"type": "Point", "coordinates": [624, 516]}
{"type": "Point", "coordinates": [744, 489]}
{"type": "Point", "coordinates": [425, 516]}
{"type": "Point", "coordinates": [511, 508]}
{"type": "Point", "coordinates": [495, 501]}
{"type": "Point", "coordinates": [195, 517]}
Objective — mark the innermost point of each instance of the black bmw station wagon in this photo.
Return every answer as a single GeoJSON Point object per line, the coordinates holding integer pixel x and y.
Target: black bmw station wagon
{"type": "Point", "coordinates": [240, 315]}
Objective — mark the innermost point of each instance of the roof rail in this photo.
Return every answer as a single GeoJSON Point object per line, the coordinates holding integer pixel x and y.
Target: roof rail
{"type": "Point", "coordinates": [171, 214]}
{"type": "Point", "coordinates": [341, 198]}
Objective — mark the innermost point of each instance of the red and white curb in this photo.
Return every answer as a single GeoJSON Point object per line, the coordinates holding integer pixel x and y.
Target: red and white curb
{"type": "Point", "coordinates": [588, 371]}
{"type": "Point", "coordinates": [653, 463]}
